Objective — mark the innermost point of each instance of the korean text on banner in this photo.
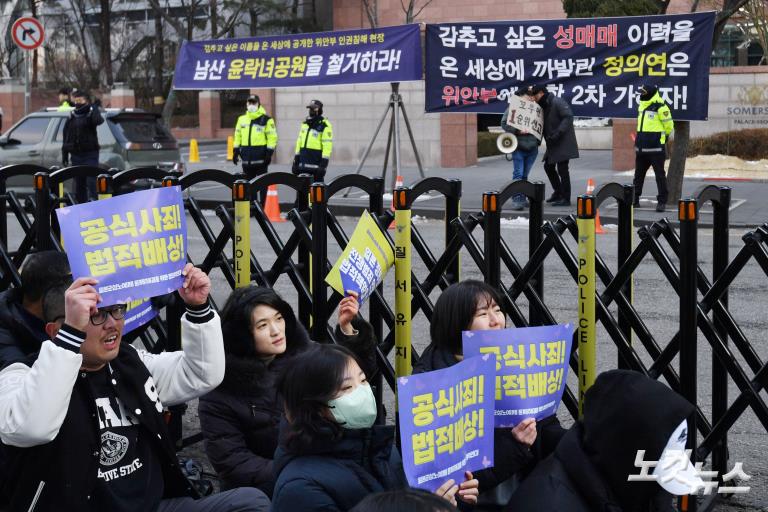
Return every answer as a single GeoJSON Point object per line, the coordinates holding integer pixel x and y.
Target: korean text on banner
{"type": "Point", "coordinates": [384, 54]}
{"type": "Point", "coordinates": [446, 422]}
{"type": "Point", "coordinates": [364, 262]}
{"type": "Point", "coordinates": [138, 313]}
{"type": "Point", "coordinates": [134, 245]}
{"type": "Point", "coordinates": [596, 64]}
{"type": "Point", "coordinates": [531, 368]}
{"type": "Point", "coordinates": [526, 115]}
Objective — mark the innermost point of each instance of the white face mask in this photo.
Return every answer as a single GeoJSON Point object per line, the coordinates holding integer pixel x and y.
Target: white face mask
{"type": "Point", "coordinates": [253, 108]}
{"type": "Point", "coordinates": [356, 409]}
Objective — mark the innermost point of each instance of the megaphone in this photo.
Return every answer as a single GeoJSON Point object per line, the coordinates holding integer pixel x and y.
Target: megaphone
{"type": "Point", "coordinates": [507, 143]}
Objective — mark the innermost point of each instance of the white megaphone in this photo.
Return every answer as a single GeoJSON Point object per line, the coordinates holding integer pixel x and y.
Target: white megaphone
{"type": "Point", "coordinates": [507, 143]}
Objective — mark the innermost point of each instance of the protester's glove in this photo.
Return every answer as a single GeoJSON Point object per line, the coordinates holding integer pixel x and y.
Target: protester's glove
{"type": "Point", "coordinates": [295, 166]}
{"type": "Point", "coordinates": [236, 156]}
{"type": "Point", "coordinates": [324, 164]}
{"type": "Point", "coordinates": [268, 157]}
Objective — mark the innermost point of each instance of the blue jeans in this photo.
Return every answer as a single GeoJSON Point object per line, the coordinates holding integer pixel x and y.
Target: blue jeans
{"type": "Point", "coordinates": [523, 161]}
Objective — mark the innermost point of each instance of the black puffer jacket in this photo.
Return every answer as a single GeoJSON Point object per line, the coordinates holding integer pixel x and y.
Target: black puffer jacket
{"type": "Point", "coordinates": [510, 457]}
{"type": "Point", "coordinates": [21, 333]}
{"type": "Point", "coordinates": [336, 474]}
{"type": "Point", "coordinates": [624, 411]}
{"type": "Point", "coordinates": [240, 419]}
{"type": "Point", "coordinates": [558, 130]}
{"type": "Point", "coordinates": [80, 130]}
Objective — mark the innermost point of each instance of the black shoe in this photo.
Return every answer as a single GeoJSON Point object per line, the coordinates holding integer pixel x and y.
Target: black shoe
{"type": "Point", "coordinates": [660, 207]}
{"type": "Point", "coordinates": [554, 197]}
{"type": "Point", "coordinates": [561, 202]}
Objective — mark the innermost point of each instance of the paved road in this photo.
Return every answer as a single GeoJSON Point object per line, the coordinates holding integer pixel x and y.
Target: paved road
{"type": "Point", "coordinates": [749, 207]}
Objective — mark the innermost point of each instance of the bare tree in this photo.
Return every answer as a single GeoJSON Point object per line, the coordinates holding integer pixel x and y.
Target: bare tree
{"type": "Point", "coordinates": [412, 10]}
{"type": "Point", "coordinates": [682, 135]}
{"type": "Point", "coordinates": [755, 13]}
{"type": "Point", "coordinates": [372, 12]}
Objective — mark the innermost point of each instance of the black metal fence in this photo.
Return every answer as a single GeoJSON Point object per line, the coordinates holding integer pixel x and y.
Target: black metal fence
{"type": "Point", "coordinates": [303, 259]}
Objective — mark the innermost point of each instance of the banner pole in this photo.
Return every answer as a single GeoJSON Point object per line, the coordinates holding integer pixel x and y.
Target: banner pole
{"type": "Point", "coordinates": [397, 99]}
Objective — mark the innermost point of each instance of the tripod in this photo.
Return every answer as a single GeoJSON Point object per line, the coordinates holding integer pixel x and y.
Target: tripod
{"type": "Point", "coordinates": [394, 108]}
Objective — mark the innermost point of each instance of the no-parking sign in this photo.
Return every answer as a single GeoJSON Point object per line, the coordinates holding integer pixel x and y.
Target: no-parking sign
{"type": "Point", "coordinates": [27, 33]}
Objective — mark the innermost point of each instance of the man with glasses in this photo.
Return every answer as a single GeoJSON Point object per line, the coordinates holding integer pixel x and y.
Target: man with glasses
{"type": "Point", "coordinates": [84, 422]}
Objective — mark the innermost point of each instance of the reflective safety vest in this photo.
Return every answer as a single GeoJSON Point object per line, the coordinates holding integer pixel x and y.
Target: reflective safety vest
{"type": "Point", "coordinates": [65, 106]}
{"type": "Point", "coordinates": [315, 141]}
{"type": "Point", "coordinates": [654, 124]}
{"type": "Point", "coordinates": [255, 133]}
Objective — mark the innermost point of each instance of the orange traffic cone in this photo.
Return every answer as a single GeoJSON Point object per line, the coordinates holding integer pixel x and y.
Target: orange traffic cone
{"type": "Point", "coordinates": [590, 190]}
{"type": "Point", "coordinates": [272, 206]}
{"type": "Point", "coordinates": [398, 183]}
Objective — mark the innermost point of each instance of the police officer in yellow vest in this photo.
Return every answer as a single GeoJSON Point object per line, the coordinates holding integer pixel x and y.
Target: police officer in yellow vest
{"type": "Point", "coordinates": [255, 140]}
{"type": "Point", "coordinates": [654, 125]}
{"type": "Point", "coordinates": [314, 144]}
{"type": "Point", "coordinates": [64, 99]}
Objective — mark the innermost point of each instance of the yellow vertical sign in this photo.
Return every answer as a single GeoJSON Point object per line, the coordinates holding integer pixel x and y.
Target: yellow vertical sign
{"type": "Point", "coordinates": [242, 235]}
{"type": "Point", "coordinates": [586, 337]}
{"type": "Point", "coordinates": [402, 292]}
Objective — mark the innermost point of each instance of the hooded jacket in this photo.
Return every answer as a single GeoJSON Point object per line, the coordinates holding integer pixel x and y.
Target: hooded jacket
{"type": "Point", "coordinates": [510, 457]}
{"type": "Point", "coordinates": [49, 419]}
{"type": "Point", "coordinates": [240, 419]}
{"type": "Point", "coordinates": [624, 411]}
{"type": "Point", "coordinates": [21, 333]}
{"type": "Point", "coordinates": [336, 474]}
{"type": "Point", "coordinates": [80, 130]}
{"type": "Point", "coordinates": [558, 129]}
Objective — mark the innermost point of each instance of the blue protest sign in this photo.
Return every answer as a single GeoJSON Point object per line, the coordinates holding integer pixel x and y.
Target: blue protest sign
{"type": "Point", "coordinates": [531, 368]}
{"type": "Point", "coordinates": [138, 313]}
{"type": "Point", "coordinates": [133, 244]}
{"type": "Point", "coordinates": [446, 422]}
{"type": "Point", "coordinates": [596, 64]}
{"type": "Point", "coordinates": [385, 54]}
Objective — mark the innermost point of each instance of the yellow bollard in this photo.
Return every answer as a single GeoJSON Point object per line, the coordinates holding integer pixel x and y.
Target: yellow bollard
{"type": "Point", "coordinates": [230, 147]}
{"type": "Point", "coordinates": [403, 280]}
{"type": "Point", "coordinates": [194, 152]}
{"type": "Point", "coordinates": [587, 334]}
{"type": "Point", "coordinates": [242, 198]}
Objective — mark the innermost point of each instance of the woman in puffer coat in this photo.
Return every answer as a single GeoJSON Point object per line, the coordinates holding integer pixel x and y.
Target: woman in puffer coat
{"type": "Point", "coordinates": [470, 306]}
{"type": "Point", "coordinates": [240, 418]}
{"type": "Point", "coordinates": [331, 455]}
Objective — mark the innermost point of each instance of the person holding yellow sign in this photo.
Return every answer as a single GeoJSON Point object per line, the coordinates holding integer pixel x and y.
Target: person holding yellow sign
{"type": "Point", "coordinates": [262, 337]}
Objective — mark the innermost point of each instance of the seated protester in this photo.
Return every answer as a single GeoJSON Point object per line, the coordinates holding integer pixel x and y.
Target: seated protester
{"type": "Point", "coordinates": [240, 419]}
{"type": "Point", "coordinates": [331, 455]}
{"type": "Point", "coordinates": [404, 500]}
{"type": "Point", "coordinates": [22, 329]}
{"type": "Point", "coordinates": [474, 305]}
{"type": "Point", "coordinates": [84, 423]}
{"type": "Point", "coordinates": [624, 411]}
